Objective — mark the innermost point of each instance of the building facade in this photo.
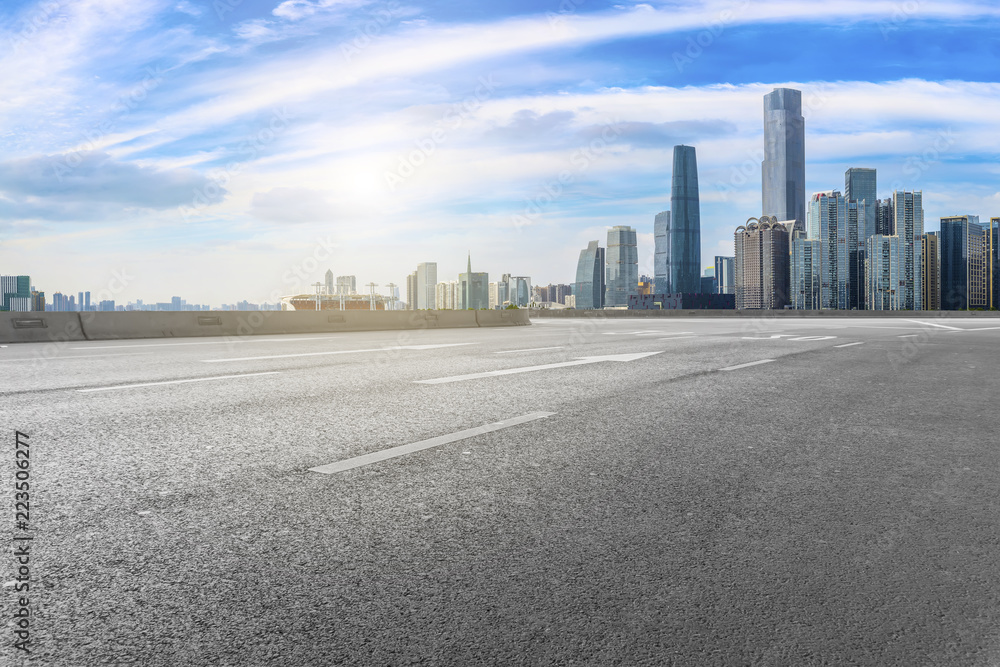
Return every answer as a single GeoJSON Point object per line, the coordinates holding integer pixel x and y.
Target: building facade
{"type": "Point", "coordinates": [806, 272]}
{"type": "Point", "coordinates": [885, 218]}
{"type": "Point", "coordinates": [426, 281]}
{"type": "Point", "coordinates": [623, 266]}
{"type": "Point", "coordinates": [15, 293]}
{"type": "Point", "coordinates": [966, 280]}
{"type": "Point", "coordinates": [930, 266]}
{"type": "Point", "coordinates": [661, 252]}
{"type": "Point", "coordinates": [884, 281]}
{"type": "Point", "coordinates": [783, 170]}
{"type": "Point", "coordinates": [684, 262]}
{"type": "Point", "coordinates": [908, 210]}
{"type": "Point", "coordinates": [761, 264]}
{"type": "Point", "coordinates": [590, 288]}
{"type": "Point", "coordinates": [861, 185]}
{"type": "Point", "coordinates": [724, 275]}
{"type": "Point", "coordinates": [837, 224]}
{"type": "Point", "coordinates": [474, 289]}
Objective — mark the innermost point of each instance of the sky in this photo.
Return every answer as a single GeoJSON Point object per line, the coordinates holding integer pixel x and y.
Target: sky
{"type": "Point", "coordinates": [222, 150]}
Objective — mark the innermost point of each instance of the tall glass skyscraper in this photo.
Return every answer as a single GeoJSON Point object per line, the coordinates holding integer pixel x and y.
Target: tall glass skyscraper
{"type": "Point", "coordinates": [589, 288]}
{"type": "Point", "coordinates": [908, 208]}
{"type": "Point", "coordinates": [860, 184]}
{"type": "Point", "coordinates": [623, 266]}
{"type": "Point", "coordinates": [835, 222]}
{"type": "Point", "coordinates": [883, 273]}
{"type": "Point", "coordinates": [661, 253]}
{"type": "Point", "coordinates": [724, 275]}
{"type": "Point", "coordinates": [965, 279]}
{"type": "Point", "coordinates": [783, 171]}
{"type": "Point", "coordinates": [806, 276]}
{"type": "Point", "coordinates": [684, 263]}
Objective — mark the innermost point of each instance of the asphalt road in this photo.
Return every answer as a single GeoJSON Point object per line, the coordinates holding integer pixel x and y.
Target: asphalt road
{"type": "Point", "coordinates": [834, 503]}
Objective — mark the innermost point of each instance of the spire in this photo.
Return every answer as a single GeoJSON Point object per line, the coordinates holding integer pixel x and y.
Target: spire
{"type": "Point", "coordinates": [469, 270]}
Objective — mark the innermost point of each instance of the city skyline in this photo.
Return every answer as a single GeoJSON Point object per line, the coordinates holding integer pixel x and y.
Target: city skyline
{"type": "Point", "coordinates": [224, 139]}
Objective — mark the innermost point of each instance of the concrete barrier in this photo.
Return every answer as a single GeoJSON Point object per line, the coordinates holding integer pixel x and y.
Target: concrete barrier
{"type": "Point", "coordinates": [40, 327]}
{"type": "Point", "coordinates": [43, 327]}
{"type": "Point", "coordinates": [759, 314]}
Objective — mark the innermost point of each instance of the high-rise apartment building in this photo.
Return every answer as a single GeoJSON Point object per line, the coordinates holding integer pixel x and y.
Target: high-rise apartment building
{"type": "Point", "coordinates": [724, 275]}
{"type": "Point", "coordinates": [783, 171]}
{"type": "Point", "coordinates": [447, 295]}
{"type": "Point", "coordinates": [661, 253]}
{"type": "Point", "coordinates": [930, 266]}
{"type": "Point", "coordinates": [348, 285]}
{"type": "Point", "coordinates": [860, 185]}
{"type": "Point", "coordinates": [411, 291]}
{"type": "Point", "coordinates": [684, 263]}
{"type": "Point", "coordinates": [885, 218]}
{"type": "Point", "coordinates": [328, 281]}
{"type": "Point", "coordinates": [909, 227]}
{"type": "Point", "coordinates": [590, 289]}
{"type": "Point", "coordinates": [966, 269]}
{"type": "Point", "coordinates": [884, 281]}
{"type": "Point", "coordinates": [623, 266]}
{"type": "Point", "coordinates": [761, 264]}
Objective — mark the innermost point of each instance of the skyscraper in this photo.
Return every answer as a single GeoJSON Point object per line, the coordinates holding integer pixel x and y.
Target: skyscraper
{"type": "Point", "coordinates": [783, 171]}
{"type": "Point", "coordinates": [589, 290]}
{"type": "Point", "coordinates": [328, 281]}
{"type": "Point", "coordinates": [623, 266]}
{"type": "Point", "coordinates": [15, 293]}
{"type": "Point", "coordinates": [884, 286]}
{"type": "Point", "coordinates": [761, 265]}
{"type": "Point", "coordinates": [806, 272]}
{"type": "Point", "coordinates": [685, 224]}
{"type": "Point", "coordinates": [885, 219]}
{"type": "Point", "coordinates": [411, 291]}
{"type": "Point", "coordinates": [965, 263]}
{"type": "Point", "coordinates": [426, 280]}
{"type": "Point", "coordinates": [473, 289]}
{"type": "Point", "coordinates": [931, 268]}
{"type": "Point", "coordinates": [724, 277]}
{"type": "Point", "coordinates": [908, 209]}
{"type": "Point", "coordinates": [836, 223]}
{"type": "Point", "coordinates": [347, 285]}
{"type": "Point", "coordinates": [860, 184]}
{"type": "Point", "coordinates": [661, 254]}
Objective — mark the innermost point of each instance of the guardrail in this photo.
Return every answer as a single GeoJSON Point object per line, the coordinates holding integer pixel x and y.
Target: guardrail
{"type": "Point", "coordinates": [615, 314]}
{"type": "Point", "coordinates": [61, 327]}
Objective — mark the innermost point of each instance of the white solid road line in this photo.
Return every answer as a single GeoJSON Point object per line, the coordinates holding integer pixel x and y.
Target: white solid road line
{"type": "Point", "coordinates": [932, 324]}
{"type": "Point", "coordinates": [530, 349]}
{"type": "Point", "coordinates": [908, 336]}
{"type": "Point", "coordinates": [850, 344]}
{"type": "Point", "coordinates": [154, 384]}
{"type": "Point", "coordinates": [322, 354]}
{"type": "Point", "coordinates": [528, 369]}
{"type": "Point", "coordinates": [677, 338]}
{"type": "Point", "coordinates": [219, 340]}
{"type": "Point", "coordinates": [402, 450]}
{"type": "Point", "coordinates": [752, 363]}
{"type": "Point", "coordinates": [78, 356]}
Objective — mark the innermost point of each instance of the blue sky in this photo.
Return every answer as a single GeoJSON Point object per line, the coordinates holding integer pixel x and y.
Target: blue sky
{"type": "Point", "coordinates": [214, 149]}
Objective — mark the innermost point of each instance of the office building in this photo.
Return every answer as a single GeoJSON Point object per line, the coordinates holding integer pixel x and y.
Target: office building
{"type": "Point", "coordinates": [724, 278]}
{"type": "Point", "coordinates": [806, 272]}
{"type": "Point", "coordinates": [411, 291]}
{"type": "Point", "coordinates": [473, 289]}
{"type": "Point", "coordinates": [590, 288]}
{"type": "Point", "coordinates": [661, 253]}
{"type": "Point", "coordinates": [684, 262]}
{"type": "Point", "coordinates": [15, 293]}
{"type": "Point", "coordinates": [966, 280]}
{"type": "Point", "coordinates": [994, 250]}
{"type": "Point", "coordinates": [884, 283]}
{"type": "Point", "coordinates": [426, 280]}
{"type": "Point", "coordinates": [645, 286]}
{"type": "Point", "coordinates": [837, 224]}
{"type": "Point", "coordinates": [930, 266]}
{"type": "Point", "coordinates": [908, 224]}
{"type": "Point", "coordinates": [860, 185]}
{"type": "Point", "coordinates": [328, 284]}
{"type": "Point", "coordinates": [347, 285]}
{"type": "Point", "coordinates": [761, 264]}
{"type": "Point", "coordinates": [623, 266]}
{"type": "Point", "coordinates": [38, 301]}
{"type": "Point", "coordinates": [520, 287]}
{"type": "Point", "coordinates": [783, 170]}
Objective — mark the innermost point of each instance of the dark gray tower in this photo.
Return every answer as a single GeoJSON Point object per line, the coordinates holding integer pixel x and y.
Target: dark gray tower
{"type": "Point", "coordinates": [661, 253]}
{"type": "Point", "coordinates": [684, 262]}
{"type": "Point", "coordinates": [784, 168]}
